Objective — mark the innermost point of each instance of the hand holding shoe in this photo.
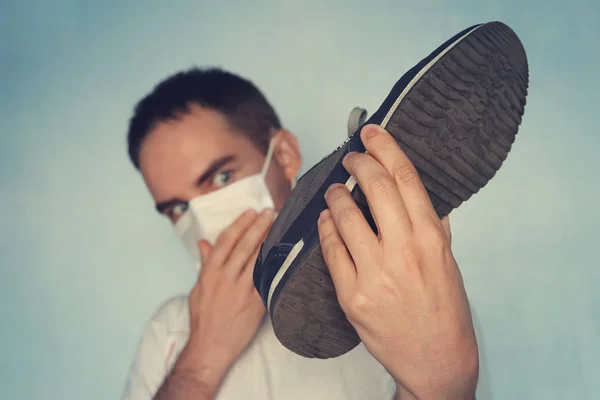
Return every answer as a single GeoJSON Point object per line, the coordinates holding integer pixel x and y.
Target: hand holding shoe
{"type": "Point", "coordinates": [401, 289]}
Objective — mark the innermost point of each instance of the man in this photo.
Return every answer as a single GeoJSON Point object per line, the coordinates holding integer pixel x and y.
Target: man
{"type": "Point", "coordinates": [202, 132]}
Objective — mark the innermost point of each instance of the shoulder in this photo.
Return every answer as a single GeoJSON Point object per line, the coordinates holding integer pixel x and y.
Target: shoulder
{"type": "Point", "coordinates": [172, 313]}
{"type": "Point", "coordinates": [147, 369]}
{"type": "Point", "coordinates": [171, 316]}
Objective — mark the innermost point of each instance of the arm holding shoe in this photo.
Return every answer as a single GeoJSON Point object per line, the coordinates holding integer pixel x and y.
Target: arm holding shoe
{"type": "Point", "coordinates": [222, 325]}
{"type": "Point", "coordinates": [401, 289]}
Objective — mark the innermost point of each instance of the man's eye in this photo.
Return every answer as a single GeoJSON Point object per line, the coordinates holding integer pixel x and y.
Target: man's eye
{"type": "Point", "coordinates": [178, 210]}
{"type": "Point", "coordinates": [222, 178]}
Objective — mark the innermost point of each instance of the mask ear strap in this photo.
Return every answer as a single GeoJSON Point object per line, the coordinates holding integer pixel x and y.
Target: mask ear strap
{"type": "Point", "coordinates": [293, 182]}
{"type": "Point", "coordinates": [268, 157]}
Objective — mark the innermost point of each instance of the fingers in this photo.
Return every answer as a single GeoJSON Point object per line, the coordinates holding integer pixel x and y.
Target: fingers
{"type": "Point", "coordinates": [338, 261]}
{"type": "Point", "coordinates": [205, 250]}
{"type": "Point", "coordinates": [248, 244]}
{"type": "Point", "coordinates": [382, 194]}
{"type": "Point", "coordinates": [248, 269]}
{"type": "Point", "coordinates": [382, 146]}
{"type": "Point", "coordinates": [229, 237]}
{"type": "Point", "coordinates": [354, 230]}
{"type": "Point", "coordinates": [203, 247]}
{"type": "Point", "coordinates": [446, 225]}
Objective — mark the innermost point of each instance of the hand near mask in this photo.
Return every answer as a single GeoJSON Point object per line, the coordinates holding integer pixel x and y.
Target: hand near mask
{"type": "Point", "coordinates": [225, 310]}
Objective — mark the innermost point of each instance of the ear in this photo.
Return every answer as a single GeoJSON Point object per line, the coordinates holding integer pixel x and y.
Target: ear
{"type": "Point", "coordinates": [287, 153]}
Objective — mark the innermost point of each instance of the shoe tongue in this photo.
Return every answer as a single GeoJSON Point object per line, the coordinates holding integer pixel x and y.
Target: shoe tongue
{"type": "Point", "coordinates": [304, 191]}
{"type": "Point", "coordinates": [308, 184]}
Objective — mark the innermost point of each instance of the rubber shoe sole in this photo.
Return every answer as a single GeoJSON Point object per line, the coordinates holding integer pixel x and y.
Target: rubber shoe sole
{"type": "Point", "coordinates": [455, 115]}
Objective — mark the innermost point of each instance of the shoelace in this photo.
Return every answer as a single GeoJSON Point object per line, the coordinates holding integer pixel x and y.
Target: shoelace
{"type": "Point", "coordinates": [357, 117]}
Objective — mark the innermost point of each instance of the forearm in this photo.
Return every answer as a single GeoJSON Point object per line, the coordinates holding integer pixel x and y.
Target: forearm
{"type": "Point", "coordinates": [458, 386]}
{"type": "Point", "coordinates": [403, 394]}
{"type": "Point", "coordinates": [184, 385]}
{"type": "Point", "coordinates": [464, 391]}
{"type": "Point", "coordinates": [453, 379]}
{"type": "Point", "coordinates": [191, 378]}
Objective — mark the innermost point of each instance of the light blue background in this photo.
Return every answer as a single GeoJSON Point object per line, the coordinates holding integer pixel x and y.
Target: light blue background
{"type": "Point", "coordinates": [85, 261]}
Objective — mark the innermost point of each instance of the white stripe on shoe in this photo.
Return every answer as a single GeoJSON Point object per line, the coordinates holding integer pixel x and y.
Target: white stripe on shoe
{"type": "Point", "coordinates": [420, 74]}
{"type": "Point", "coordinates": [284, 267]}
{"type": "Point", "coordinates": [351, 182]}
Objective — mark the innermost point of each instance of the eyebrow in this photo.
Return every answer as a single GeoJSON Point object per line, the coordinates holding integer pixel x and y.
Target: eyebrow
{"type": "Point", "coordinates": [210, 171]}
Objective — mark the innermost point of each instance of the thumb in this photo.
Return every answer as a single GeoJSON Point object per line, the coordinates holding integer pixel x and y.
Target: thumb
{"type": "Point", "coordinates": [205, 250]}
{"type": "Point", "coordinates": [447, 231]}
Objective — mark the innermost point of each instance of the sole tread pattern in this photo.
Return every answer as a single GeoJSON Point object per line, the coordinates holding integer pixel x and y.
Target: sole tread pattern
{"type": "Point", "coordinates": [457, 124]}
{"type": "Point", "coordinates": [313, 290]}
{"type": "Point", "coordinates": [475, 141]}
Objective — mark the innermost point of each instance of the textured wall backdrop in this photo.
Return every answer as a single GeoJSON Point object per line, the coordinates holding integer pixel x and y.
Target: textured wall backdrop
{"type": "Point", "coordinates": [85, 261]}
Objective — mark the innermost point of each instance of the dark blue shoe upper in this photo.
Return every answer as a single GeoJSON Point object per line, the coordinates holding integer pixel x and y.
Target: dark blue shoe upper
{"type": "Point", "coordinates": [298, 218]}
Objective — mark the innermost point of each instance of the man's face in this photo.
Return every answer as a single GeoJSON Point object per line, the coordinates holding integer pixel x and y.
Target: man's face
{"type": "Point", "coordinates": [200, 153]}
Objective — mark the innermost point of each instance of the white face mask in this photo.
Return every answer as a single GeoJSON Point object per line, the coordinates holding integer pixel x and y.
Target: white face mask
{"type": "Point", "coordinates": [209, 215]}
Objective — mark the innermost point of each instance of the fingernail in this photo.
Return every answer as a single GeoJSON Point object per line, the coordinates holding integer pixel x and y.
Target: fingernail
{"type": "Point", "coordinates": [369, 131]}
{"type": "Point", "coordinates": [325, 215]}
{"type": "Point", "coordinates": [333, 186]}
{"type": "Point", "coordinates": [349, 155]}
{"type": "Point", "coordinates": [268, 212]}
{"type": "Point", "coordinates": [202, 246]}
{"type": "Point", "coordinates": [249, 212]}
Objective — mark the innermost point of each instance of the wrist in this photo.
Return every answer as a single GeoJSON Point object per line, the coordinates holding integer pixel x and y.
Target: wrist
{"type": "Point", "coordinates": [207, 373]}
{"type": "Point", "coordinates": [461, 384]}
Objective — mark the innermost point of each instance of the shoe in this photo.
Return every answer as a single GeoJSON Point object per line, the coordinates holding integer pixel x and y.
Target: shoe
{"type": "Point", "coordinates": [455, 114]}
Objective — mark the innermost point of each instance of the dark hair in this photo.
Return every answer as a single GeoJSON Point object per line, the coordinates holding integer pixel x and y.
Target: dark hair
{"type": "Point", "coordinates": [239, 100]}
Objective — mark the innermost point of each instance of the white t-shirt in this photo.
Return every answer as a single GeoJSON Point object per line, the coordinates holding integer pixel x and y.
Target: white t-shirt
{"type": "Point", "coordinates": [265, 371]}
